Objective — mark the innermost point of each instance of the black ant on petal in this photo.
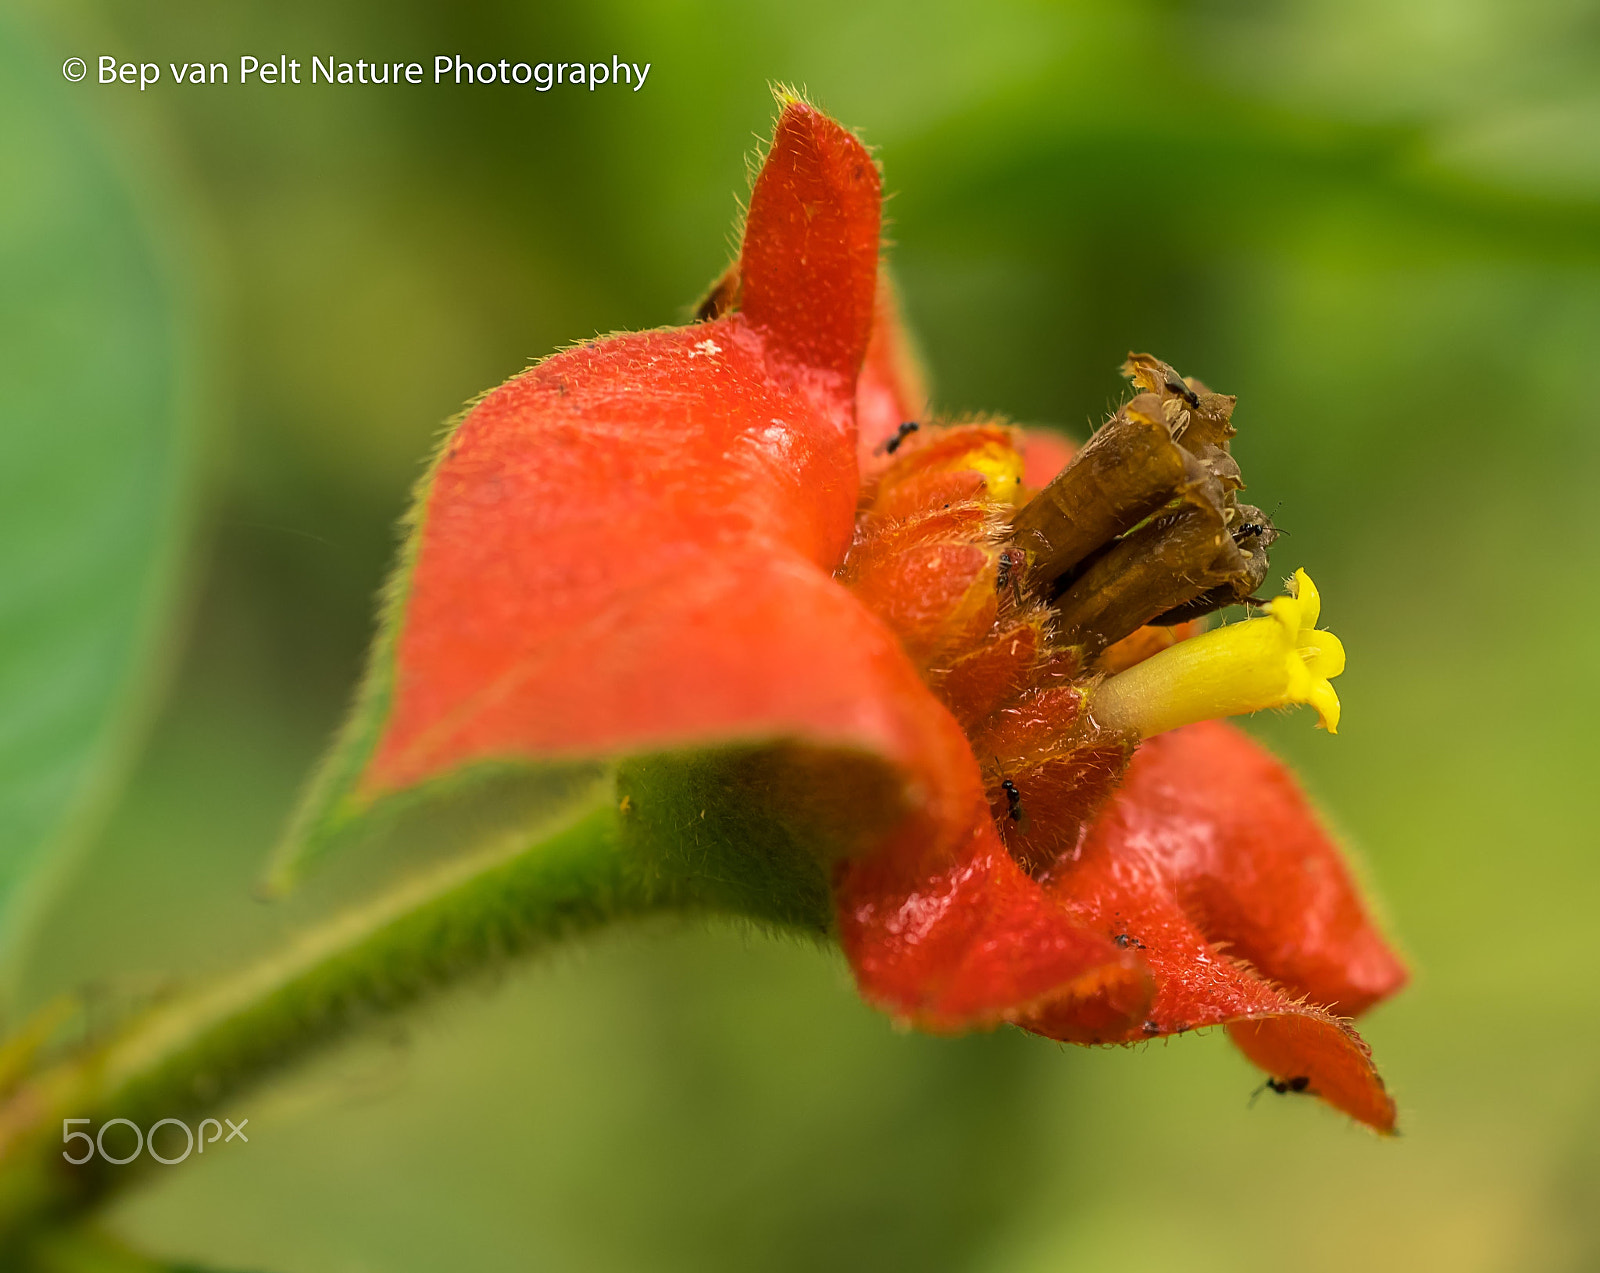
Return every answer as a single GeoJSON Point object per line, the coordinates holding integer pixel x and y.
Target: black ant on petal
{"type": "Point", "coordinates": [1299, 1083]}
{"type": "Point", "coordinates": [906, 429]}
{"type": "Point", "coordinates": [1014, 807]}
{"type": "Point", "coordinates": [1013, 798]}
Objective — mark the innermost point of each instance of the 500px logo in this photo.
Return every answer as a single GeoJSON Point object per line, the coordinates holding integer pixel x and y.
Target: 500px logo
{"type": "Point", "coordinates": [193, 1139]}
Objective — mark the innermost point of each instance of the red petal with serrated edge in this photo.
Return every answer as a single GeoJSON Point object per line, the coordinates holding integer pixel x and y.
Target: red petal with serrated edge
{"type": "Point", "coordinates": [1210, 863]}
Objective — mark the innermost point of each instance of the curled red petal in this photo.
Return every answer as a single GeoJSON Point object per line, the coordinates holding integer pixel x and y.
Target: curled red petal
{"type": "Point", "coordinates": [1254, 867]}
{"type": "Point", "coordinates": [928, 581]}
{"type": "Point", "coordinates": [1210, 863]}
{"type": "Point", "coordinates": [974, 685]}
{"type": "Point", "coordinates": [597, 548]}
{"type": "Point", "coordinates": [631, 544]}
{"type": "Point", "coordinates": [1198, 984]}
{"type": "Point", "coordinates": [976, 942]}
{"type": "Point", "coordinates": [1305, 1042]}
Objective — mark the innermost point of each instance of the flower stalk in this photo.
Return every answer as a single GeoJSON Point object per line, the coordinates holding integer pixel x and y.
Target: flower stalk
{"type": "Point", "coordinates": [730, 830]}
{"type": "Point", "coordinates": [184, 1058]}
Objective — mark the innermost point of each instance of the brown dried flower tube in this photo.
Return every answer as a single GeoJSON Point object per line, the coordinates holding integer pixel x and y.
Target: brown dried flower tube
{"type": "Point", "coordinates": [1144, 525]}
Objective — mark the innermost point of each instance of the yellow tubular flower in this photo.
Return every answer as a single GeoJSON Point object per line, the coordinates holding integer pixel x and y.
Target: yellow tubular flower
{"type": "Point", "coordinates": [1274, 661]}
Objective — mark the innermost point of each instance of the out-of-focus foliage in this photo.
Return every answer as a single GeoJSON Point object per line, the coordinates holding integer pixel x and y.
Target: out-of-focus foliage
{"type": "Point", "coordinates": [96, 457]}
{"type": "Point", "coordinates": [1378, 223]}
{"type": "Point", "coordinates": [86, 1250]}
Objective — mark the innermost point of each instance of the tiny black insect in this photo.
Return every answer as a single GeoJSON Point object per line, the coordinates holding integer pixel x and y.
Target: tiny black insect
{"type": "Point", "coordinates": [1009, 572]}
{"type": "Point", "coordinates": [1013, 798]}
{"type": "Point", "coordinates": [1299, 1083]}
{"type": "Point", "coordinates": [1245, 529]}
{"type": "Point", "coordinates": [1183, 391]}
{"type": "Point", "coordinates": [1124, 940]}
{"type": "Point", "coordinates": [906, 429]}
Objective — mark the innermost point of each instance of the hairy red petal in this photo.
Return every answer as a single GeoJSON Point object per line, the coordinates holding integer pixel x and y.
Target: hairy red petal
{"type": "Point", "coordinates": [978, 682]}
{"type": "Point", "coordinates": [975, 943]}
{"type": "Point", "coordinates": [1329, 1053]}
{"type": "Point", "coordinates": [1256, 870]}
{"type": "Point", "coordinates": [810, 256]}
{"type": "Point", "coordinates": [918, 493]}
{"type": "Point", "coordinates": [1209, 862]}
{"type": "Point", "coordinates": [602, 536]}
{"type": "Point", "coordinates": [631, 544]}
{"type": "Point", "coordinates": [928, 581]}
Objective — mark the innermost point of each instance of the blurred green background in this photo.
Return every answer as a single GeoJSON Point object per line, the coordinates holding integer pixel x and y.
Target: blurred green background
{"type": "Point", "coordinates": [1376, 221]}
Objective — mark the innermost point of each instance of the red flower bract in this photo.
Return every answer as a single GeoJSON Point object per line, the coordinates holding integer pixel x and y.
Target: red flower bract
{"type": "Point", "coordinates": [696, 542]}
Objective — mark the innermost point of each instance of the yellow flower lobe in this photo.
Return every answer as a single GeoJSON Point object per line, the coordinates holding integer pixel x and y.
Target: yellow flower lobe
{"type": "Point", "coordinates": [1277, 660]}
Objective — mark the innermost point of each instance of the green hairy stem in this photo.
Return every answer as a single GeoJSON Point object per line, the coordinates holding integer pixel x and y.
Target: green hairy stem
{"type": "Point", "coordinates": [748, 829]}
{"type": "Point", "coordinates": [181, 1059]}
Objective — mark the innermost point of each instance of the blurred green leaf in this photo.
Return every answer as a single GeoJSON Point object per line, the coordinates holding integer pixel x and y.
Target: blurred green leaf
{"type": "Point", "coordinates": [85, 1250]}
{"type": "Point", "coordinates": [95, 468]}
